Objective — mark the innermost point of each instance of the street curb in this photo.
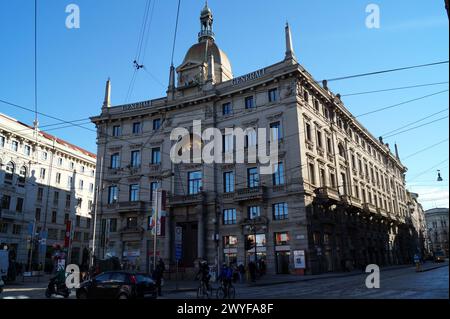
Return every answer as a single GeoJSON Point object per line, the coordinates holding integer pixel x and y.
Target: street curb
{"type": "Point", "coordinates": [436, 267]}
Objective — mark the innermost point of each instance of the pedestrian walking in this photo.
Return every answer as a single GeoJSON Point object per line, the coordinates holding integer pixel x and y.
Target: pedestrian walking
{"type": "Point", "coordinates": [158, 275]}
{"type": "Point", "coordinates": [241, 271]}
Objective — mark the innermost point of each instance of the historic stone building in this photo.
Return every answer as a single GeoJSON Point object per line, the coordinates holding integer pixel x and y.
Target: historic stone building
{"type": "Point", "coordinates": [338, 197]}
{"type": "Point", "coordinates": [437, 223]}
{"type": "Point", "coordinates": [47, 181]}
{"type": "Point", "coordinates": [416, 218]}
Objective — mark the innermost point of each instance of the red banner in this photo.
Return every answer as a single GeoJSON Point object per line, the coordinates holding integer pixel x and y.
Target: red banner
{"type": "Point", "coordinates": [67, 237]}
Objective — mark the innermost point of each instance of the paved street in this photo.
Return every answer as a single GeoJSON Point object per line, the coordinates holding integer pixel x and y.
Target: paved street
{"type": "Point", "coordinates": [402, 283]}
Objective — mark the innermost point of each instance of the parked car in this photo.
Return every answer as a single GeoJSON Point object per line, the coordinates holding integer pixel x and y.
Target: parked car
{"type": "Point", "coordinates": [439, 257]}
{"type": "Point", "coordinates": [118, 285]}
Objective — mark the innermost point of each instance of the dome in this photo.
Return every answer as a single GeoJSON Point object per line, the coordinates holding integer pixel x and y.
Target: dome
{"type": "Point", "coordinates": [196, 54]}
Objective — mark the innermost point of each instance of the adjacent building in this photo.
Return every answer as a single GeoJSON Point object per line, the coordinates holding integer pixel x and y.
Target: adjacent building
{"type": "Point", "coordinates": [45, 182]}
{"type": "Point", "coordinates": [437, 224]}
{"type": "Point", "coordinates": [336, 200]}
{"type": "Point", "coordinates": [417, 220]}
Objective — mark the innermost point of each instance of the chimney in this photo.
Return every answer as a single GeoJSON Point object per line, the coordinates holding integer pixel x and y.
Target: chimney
{"type": "Point", "coordinates": [325, 84]}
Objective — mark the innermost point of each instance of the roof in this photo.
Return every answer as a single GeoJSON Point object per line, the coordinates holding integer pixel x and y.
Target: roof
{"type": "Point", "coordinates": [52, 137]}
{"type": "Point", "coordinates": [196, 53]}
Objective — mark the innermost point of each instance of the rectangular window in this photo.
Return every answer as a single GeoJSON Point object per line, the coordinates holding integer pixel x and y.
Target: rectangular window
{"type": "Point", "coordinates": [27, 150]}
{"type": "Point", "coordinates": [251, 138]}
{"type": "Point", "coordinates": [227, 109]}
{"type": "Point", "coordinates": [3, 228]}
{"type": "Point", "coordinates": [55, 198]}
{"type": "Point", "coordinates": [319, 139]}
{"type": "Point", "coordinates": [113, 225]}
{"type": "Point", "coordinates": [333, 180]}
{"type": "Point", "coordinates": [6, 202]}
{"type": "Point", "coordinates": [81, 184]}
{"type": "Point", "coordinates": [113, 194]}
{"type": "Point", "coordinates": [281, 238]}
{"type": "Point", "coordinates": [252, 177]}
{"type": "Point", "coordinates": [228, 143]}
{"type": "Point", "coordinates": [68, 200]}
{"type": "Point", "coordinates": [156, 124]}
{"type": "Point", "coordinates": [230, 241]}
{"type": "Point", "coordinates": [276, 133]}
{"type": "Point", "coordinates": [153, 186]}
{"type": "Point", "coordinates": [17, 229]}
{"type": "Point", "coordinates": [308, 132]}
{"type": "Point", "coordinates": [88, 223]}
{"type": "Point", "coordinates": [79, 202]}
{"type": "Point", "coordinates": [260, 240]}
{"type": "Point", "coordinates": [44, 156]}
{"type": "Point", "coordinates": [40, 194]}
{"type": "Point", "coordinates": [115, 161]}
{"type": "Point", "coordinates": [253, 212]}
{"type": "Point", "coordinates": [137, 128]}
{"type": "Point", "coordinates": [156, 155]}
{"type": "Point", "coordinates": [54, 217]}
{"type": "Point", "coordinates": [280, 211]}
{"type": "Point", "coordinates": [14, 146]}
{"type": "Point", "coordinates": [249, 102]}
{"type": "Point", "coordinates": [58, 178]}
{"type": "Point", "coordinates": [37, 214]}
{"type": "Point", "coordinates": [194, 182]}
{"type": "Point", "coordinates": [69, 182]}
{"type": "Point", "coordinates": [78, 221]}
{"type": "Point", "coordinates": [228, 182]}
{"type": "Point", "coordinates": [19, 205]}
{"type": "Point", "coordinates": [316, 105]}
{"type": "Point", "coordinates": [329, 147]}
{"type": "Point", "coordinates": [229, 216]}
{"type": "Point", "coordinates": [278, 176]}
{"type": "Point", "coordinates": [60, 161]}
{"type": "Point", "coordinates": [273, 95]}
{"type": "Point", "coordinates": [312, 175]}
{"type": "Point", "coordinates": [322, 178]}
{"type": "Point", "coordinates": [135, 158]}
{"type": "Point", "coordinates": [90, 205]}
{"type": "Point", "coordinates": [42, 173]}
{"type": "Point", "coordinates": [91, 188]}
{"type": "Point", "coordinates": [2, 141]}
{"type": "Point", "coordinates": [134, 193]}
{"type": "Point", "coordinates": [116, 131]}
{"type": "Point", "coordinates": [66, 218]}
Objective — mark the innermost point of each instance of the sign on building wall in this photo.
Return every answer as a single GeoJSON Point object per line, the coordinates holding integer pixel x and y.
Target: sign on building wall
{"type": "Point", "coordinates": [178, 243]}
{"type": "Point", "coordinates": [159, 204]}
{"type": "Point", "coordinates": [299, 259]}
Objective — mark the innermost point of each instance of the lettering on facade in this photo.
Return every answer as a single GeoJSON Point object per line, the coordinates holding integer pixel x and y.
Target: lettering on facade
{"type": "Point", "coordinates": [135, 106]}
{"type": "Point", "coordinates": [249, 77]}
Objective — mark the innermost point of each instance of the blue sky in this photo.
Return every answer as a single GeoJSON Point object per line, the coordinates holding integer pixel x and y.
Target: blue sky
{"type": "Point", "coordinates": [330, 39]}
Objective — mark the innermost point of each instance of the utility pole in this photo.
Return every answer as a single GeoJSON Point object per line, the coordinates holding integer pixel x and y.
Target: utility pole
{"type": "Point", "coordinates": [95, 213]}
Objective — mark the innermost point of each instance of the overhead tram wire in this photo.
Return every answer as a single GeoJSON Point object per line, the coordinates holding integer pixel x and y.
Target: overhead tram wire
{"type": "Point", "coordinates": [401, 103]}
{"type": "Point", "coordinates": [416, 127]}
{"type": "Point", "coordinates": [395, 89]}
{"type": "Point", "coordinates": [426, 171]}
{"type": "Point", "coordinates": [425, 149]}
{"type": "Point", "coordinates": [420, 120]}
{"type": "Point", "coordinates": [385, 71]}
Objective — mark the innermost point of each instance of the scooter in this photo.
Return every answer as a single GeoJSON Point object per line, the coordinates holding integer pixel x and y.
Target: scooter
{"type": "Point", "coordinates": [55, 288]}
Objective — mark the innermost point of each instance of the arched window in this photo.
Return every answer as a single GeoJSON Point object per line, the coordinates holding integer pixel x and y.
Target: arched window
{"type": "Point", "coordinates": [10, 169]}
{"type": "Point", "coordinates": [22, 175]}
{"type": "Point", "coordinates": [341, 150]}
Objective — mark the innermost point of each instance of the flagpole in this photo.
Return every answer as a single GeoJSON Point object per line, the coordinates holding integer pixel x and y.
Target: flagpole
{"type": "Point", "coordinates": [155, 227]}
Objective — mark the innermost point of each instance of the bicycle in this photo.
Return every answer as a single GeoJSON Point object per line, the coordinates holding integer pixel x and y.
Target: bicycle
{"type": "Point", "coordinates": [204, 291]}
{"type": "Point", "coordinates": [226, 293]}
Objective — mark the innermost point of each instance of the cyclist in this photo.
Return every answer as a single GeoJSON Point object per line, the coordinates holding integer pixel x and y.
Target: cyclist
{"type": "Point", "coordinates": [226, 275]}
{"type": "Point", "coordinates": [203, 273]}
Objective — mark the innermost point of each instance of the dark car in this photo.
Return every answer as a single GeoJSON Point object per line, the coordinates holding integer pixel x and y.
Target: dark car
{"type": "Point", "coordinates": [118, 285]}
{"type": "Point", "coordinates": [439, 257]}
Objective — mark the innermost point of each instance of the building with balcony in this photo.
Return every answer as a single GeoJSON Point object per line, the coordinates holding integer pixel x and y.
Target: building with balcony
{"type": "Point", "coordinates": [44, 181]}
{"type": "Point", "coordinates": [437, 224]}
{"type": "Point", "coordinates": [338, 196]}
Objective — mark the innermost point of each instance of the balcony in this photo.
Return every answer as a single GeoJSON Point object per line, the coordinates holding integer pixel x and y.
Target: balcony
{"type": "Point", "coordinates": [186, 200]}
{"type": "Point", "coordinates": [327, 193]}
{"type": "Point", "coordinates": [113, 171]}
{"type": "Point", "coordinates": [8, 214]}
{"type": "Point", "coordinates": [370, 208]}
{"type": "Point", "coordinates": [250, 193]}
{"type": "Point", "coordinates": [355, 202]}
{"type": "Point", "coordinates": [128, 207]}
{"type": "Point", "coordinates": [132, 230]}
{"type": "Point", "coordinates": [154, 169]}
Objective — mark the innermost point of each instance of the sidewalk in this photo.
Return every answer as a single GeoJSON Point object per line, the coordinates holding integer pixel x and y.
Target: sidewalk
{"type": "Point", "coordinates": [269, 280]}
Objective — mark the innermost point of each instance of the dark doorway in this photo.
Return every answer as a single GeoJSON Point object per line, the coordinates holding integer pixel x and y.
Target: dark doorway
{"type": "Point", "coordinates": [283, 262]}
{"type": "Point", "coordinates": [190, 240]}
